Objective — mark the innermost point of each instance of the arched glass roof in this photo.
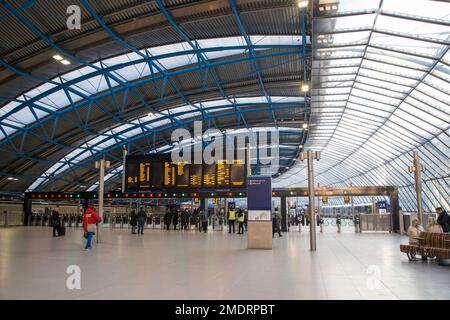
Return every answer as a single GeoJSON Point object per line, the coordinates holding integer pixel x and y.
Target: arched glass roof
{"type": "Point", "coordinates": [84, 84]}
{"type": "Point", "coordinates": [151, 123]}
{"type": "Point", "coordinates": [380, 91]}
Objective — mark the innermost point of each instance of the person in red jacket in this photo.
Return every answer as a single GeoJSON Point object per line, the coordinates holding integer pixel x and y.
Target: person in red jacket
{"type": "Point", "coordinates": [90, 220]}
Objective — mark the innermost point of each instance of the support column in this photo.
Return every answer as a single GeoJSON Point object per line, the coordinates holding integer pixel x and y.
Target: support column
{"type": "Point", "coordinates": [124, 162]}
{"type": "Point", "coordinates": [27, 206]}
{"type": "Point", "coordinates": [417, 169]}
{"type": "Point", "coordinates": [284, 215]}
{"type": "Point", "coordinates": [312, 211]}
{"type": "Point", "coordinates": [395, 207]}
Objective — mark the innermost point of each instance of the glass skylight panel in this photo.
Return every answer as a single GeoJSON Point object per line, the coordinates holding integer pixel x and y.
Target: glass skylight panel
{"type": "Point", "coordinates": [361, 94]}
{"type": "Point", "coordinates": [369, 101]}
{"type": "Point", "coordinates": [386, 93]}
{"type": "Point", "coordinates": [334, 71]}
{"type": "Point", "coordinates": [347, 38]}
{"type": "Point", "coordinates": [418, 8]}
{"type": "Point", "coordinates": [416, 28]}
{"type": "Point", "coordinates": [406, 45]}
{"type": "Point", "coordinates": [392, 79]}
{"type": "Point", "coordinates": [417, 104]}
{"type": "Point", "coordinates": [344, 23]}
{"type": "Point", "coordinates": [334, 53]}
{"type": "Point", "coordinates": [442, 71]}
{"type": "Point", "coordinates": [435, 93]}
{"type": "Point", "coordinates": [393, 69]}
{"type": "Point", "coordinates": [435, 103]}
{"type": "Point", "coordinates": [412, 126]}
{"type": "Point", "coordinates": [369, 80]}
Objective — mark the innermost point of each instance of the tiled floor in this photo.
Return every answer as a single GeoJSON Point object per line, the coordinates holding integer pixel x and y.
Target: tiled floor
{"type": "Point", "coordinates": [191, 265]}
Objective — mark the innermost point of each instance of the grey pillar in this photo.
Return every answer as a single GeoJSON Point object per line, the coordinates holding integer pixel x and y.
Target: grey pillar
{"type": "Point", "coordinates": [312, 213]}
{"type": "Point", "coordinates": [417, 168]}
{"type": "Point", "coordinates": [284, 215]}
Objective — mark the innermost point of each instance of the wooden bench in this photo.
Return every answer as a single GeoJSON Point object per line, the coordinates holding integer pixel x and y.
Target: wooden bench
{"type": "Point", "coordinates": [430, 245]}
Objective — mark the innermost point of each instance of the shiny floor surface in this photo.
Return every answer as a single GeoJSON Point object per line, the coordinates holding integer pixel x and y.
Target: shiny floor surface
{"type": "Point", "coordinates": [216, 265]}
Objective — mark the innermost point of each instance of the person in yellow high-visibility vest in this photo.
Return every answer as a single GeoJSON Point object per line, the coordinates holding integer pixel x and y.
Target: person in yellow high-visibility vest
{"type": "Point", "coordinates": [241, 220]}
{"type": "Point", "coordinates": [231, 220]}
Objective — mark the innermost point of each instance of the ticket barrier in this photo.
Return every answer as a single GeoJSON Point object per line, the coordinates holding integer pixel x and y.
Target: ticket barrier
{"type": "Point", "coordinates": [45, 220]}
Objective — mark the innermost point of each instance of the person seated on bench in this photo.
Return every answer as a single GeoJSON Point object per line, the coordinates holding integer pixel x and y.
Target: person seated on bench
{"type": "Point", "coordinates": [433, 226]}
{"type": "Point", "coordinates": [414, 231]}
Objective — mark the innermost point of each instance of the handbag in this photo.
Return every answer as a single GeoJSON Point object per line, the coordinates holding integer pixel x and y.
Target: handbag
{"type": "Point", "coordinates": [85, 235]}
{"type": "Point", "coordinates": [92, 228]}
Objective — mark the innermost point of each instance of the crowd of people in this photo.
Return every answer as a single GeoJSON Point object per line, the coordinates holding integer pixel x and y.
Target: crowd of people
{"type": "Point", "coordinates": [184, 219]}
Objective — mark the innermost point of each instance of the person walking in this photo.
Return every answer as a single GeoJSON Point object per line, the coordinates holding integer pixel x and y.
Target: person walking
{"type": "Point", "coordinates": [90, 220]}
{"type": "Point", "coordinates": [184, 219]}
{"type": "Point", "coordinates": [56, 223]}
{"type": "Point", "coordinates": [167, 219]}
{"type": "Point", "coordinates": [141, 218]}
{"type": "Point", "coordinates": [204, 217]}
{"type": "Point", "coordinates": [133, 221]}
{"type": "Point", "coordinates": [276, 219]}
{"type": "Point", "coordinates": [443, 219]}
{"type": "Point", "coordinates": [241, 221]}
{"type": "Point", "coordinates": [231, 219]}
{"type": "Point", "coordinates": [175, 217]}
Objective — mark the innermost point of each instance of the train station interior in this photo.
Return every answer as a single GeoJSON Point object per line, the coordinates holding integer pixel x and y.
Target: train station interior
{"type": "Point", "coordinates": [225, 149]}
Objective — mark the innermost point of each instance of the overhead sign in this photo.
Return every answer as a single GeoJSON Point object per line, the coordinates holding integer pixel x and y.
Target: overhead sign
{"type": "Point", "coordinates": [325, 199]}
{"type": "Point", "coordinates": [346, 199]}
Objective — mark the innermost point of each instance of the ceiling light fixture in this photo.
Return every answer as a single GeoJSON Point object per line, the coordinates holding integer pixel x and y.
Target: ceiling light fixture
{"type": "Point", "coordinates": [305, 87]}
{"type": "Point", "coordinates": [305, 125]}
{"type": "Point", "coordinates": [65, 62]}
{"type": "Point", "coordinates": [58, 57]}
{"type": "Point", "coordinates": [302, 4]}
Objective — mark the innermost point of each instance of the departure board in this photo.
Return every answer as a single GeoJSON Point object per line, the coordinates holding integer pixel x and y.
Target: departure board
{"type": "Point", "coordinates": [195, 180]}
{"type": "Point", "coordinates": [157, 169]}
{"type": "Point", "coordinates": [169, 174]}
{"type": "Point", "coordinates": [237, 174]}
{"type": "Point", "coordinates": [182, 175]}
{"type": "Point", "coordinates": [223, 174]}
{"type": "Point", "coordinates": [132, 175]}
{"type": "Point", "coordinates": [157, 172]}
{"type": "Point", "coordinates": [209, 175]}
{"type": "Point", "coordinates": [144, 175]}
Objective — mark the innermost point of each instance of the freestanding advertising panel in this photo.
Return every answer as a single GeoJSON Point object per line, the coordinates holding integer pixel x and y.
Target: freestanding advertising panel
{"type": "Point", "coordinates": [259, 202]}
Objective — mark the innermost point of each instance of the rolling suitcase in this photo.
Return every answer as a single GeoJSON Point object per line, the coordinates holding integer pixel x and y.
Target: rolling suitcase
{"type": "Point", "coordinates": [62, 231]}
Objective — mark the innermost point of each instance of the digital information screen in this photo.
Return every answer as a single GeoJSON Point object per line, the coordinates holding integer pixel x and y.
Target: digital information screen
{"type": "Point", "coordinates": [237, 174]}
{"type": "Point", "coordinates": [223, 174]}
{"type": "Point", "coordinates": [169, 174]}
{"type": "Point", "coordinates": [144, 175]}
{"type": "Point", "coordinates": [182, 175]}
{"type": "Point", "coordinates": [209, 175]}
{"type": "Point", "coordinates": [158, 172]}
{"type": "Point", "coordinates": [196, 175]}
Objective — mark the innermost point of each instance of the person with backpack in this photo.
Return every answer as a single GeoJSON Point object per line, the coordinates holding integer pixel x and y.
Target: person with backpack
{"type": "Point", "coordinates": [56, 223]}
{"type": "Point", "coordinates": [141, 218]}
{"type": "Point", "coordinates": [90, 220]}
